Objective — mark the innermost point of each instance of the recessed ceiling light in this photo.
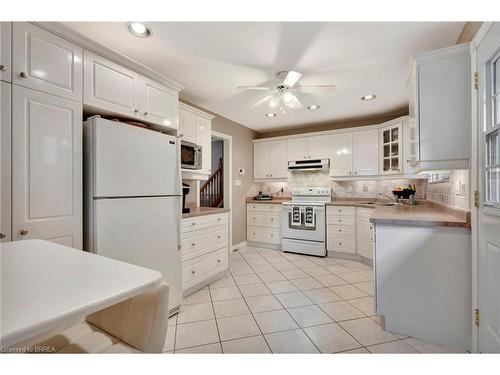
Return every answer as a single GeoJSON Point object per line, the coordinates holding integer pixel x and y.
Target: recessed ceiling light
{"type": "Point", "coordinates": [313, 107]}
{"type": "Point", "coordinates": [139, 29]}
{"type": "Point", "coordinates": [271, 115]}
{"type": "Point", "coordinates": [368, 97]}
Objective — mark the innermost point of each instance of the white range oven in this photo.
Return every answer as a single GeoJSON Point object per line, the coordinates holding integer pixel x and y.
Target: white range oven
{"type": "Point", "coordinates": [303, 221]}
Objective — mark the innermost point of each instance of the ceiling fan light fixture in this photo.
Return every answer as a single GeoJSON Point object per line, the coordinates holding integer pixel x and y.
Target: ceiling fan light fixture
{"type": "Point", "coordinates": [271, 115]}
{"type": "Point", "coordinates": [313, 107]}
{"type": "Point", "coordinates": [139, 29]}
{"type": "Point", "coordinates": [367, 98]}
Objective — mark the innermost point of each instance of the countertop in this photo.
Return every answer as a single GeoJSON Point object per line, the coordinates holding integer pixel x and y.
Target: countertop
{"type": "Point", "coordinates": [275, 200]}
{"type": "Point", "coordinates": [200, 211]}
{"type": "Point", "coordinates": [47, 285]}
{"type": "Point", "coordinates": [424, 214]}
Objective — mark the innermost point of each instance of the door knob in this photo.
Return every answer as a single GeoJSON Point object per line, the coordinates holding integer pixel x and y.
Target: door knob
{"type": "Point", "coordinates": [24, 232]}
{"type": "Point", "coordinates": [3, 68]}
{"type": "Point", "coordinates": [23, 75]}
{"type": "Point", "coordinates": [2, 235]}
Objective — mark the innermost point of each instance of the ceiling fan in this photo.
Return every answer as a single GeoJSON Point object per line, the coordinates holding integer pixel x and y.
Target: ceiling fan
{"type": "Point", "coordinates": [282, 95]}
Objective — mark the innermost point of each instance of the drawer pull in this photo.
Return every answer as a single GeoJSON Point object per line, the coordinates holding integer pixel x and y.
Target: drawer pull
{"type": "Point", "coordinates": [254, 233]}
{"type": "Point", "coordinates": [254, 218]}
{"type": "Point", "coordinates": [193, 223]}
{"type": "Point", "coordinates": [219, 237]}
{"type": "Point", "coordinates": [218, 260]}
{"type": "Point", "coordinates": [219, 219]}
{"type": "Point", "coordinates": [193, 244]}
{"type": "Point", "coordinates": [272, 235]}
{"type": "Point", "coordinates": [272, 219]}
{"type": "Point", "coordinates": [193, 272]}
{"type": "Point", "coordinates": [340, 243]}
{"type": "Point", "coordinates": [340, 220]}
{"type": "Point", "coordinates": [340, 230]}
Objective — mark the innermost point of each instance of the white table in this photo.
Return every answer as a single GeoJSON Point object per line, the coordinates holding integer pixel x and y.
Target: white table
{"type": "Point", "coordinates": [45, 286]}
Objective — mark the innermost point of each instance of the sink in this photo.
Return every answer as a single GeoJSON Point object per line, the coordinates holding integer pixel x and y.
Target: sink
{"type": "Point", "coordinates": [387, 204]}
{"type": "Point", "coordinates": [372, 203]}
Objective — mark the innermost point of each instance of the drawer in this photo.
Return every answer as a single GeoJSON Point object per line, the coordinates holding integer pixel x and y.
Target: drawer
{"type": "Point", "coordinates": [364, 213]}
{"type": "Point", "coordinates": [341, 210]}
{"type": "Point", "coordinates": [202, 241]}
{"type": "Point", "coordinates": [259, 234]}
{"type": "Point", "coordinates": [271, 207]}
{"type": "Point", "coordinates": [204, 221]}
{"type": "Point", "coordinates": [342, 245]}
{"type": "Point", "coordinates": [200, 268]}
{"type": "Point", "coordinates": [264, 219]}
{"type": "Point", "coordinates": [341, 230]}
{"type": "Point", "coordinates": [340, 220]}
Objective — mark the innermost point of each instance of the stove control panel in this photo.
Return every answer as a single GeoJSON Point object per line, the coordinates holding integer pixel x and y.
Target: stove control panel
{"type": "Point", "coordinates": [312, 191]}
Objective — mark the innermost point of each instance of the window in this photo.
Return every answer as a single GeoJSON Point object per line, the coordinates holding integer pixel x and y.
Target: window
{"type": "Point", "coordinates": [492, 141]}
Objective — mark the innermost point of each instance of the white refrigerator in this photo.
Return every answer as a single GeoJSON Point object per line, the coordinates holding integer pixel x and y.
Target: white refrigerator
{"type": "Point", "coordinates": [133, 199]}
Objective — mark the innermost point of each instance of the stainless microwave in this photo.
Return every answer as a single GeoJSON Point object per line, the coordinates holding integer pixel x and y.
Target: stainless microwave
{"type": "Point", "coordinates": [191, 155]}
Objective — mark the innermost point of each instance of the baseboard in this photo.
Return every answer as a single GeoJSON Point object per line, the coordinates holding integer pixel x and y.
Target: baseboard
{"type": "Point", "coordinates": [239, 246]}
{"type": "Point", "coordinates": [264, 245]}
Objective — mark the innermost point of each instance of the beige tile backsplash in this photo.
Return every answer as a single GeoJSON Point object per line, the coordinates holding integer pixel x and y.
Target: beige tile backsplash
{"type": "Point", "coordinates": [454, 192]}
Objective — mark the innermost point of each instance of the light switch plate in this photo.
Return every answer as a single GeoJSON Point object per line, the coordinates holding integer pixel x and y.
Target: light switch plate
{"type": "Point", "coordinates": [237, 182]}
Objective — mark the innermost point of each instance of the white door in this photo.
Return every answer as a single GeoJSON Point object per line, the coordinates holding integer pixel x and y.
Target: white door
{"type": "Point", "coordinates": [5, 51]}
{"type": "Point", "coordinates": [204, 139]}
{"type": "Point", "coordinates": [158, 103]}
{"type": "Point", "coordinates": [278, 161]}
{"type": "Point", "coordinates": [142, 231]}
{"type": "Point", "coordinates": [187, 126]}
{"type": "Point", "coordinates": [341, 154]}
{"type": "Point", "coordinates": [5, 166]}
{"type": "Point", "coordinates": [297, 149]}
{"type": "Point", "coordinates": [318, 147]}
{"type": "Point", "coordinates": [109, 87]}
{"type": "Point", "coordinates": [260, 159]}
{"type": "Point", "coordinates": [45, 62]}
{"type": "Point", "coordinates": [132, 161]}
{"type": "Point", "coordinates": [365, 152]}
{"type": "Point", "coordinates": [46, 167]}
{"type": "Point", "coordinates": [488, 55]}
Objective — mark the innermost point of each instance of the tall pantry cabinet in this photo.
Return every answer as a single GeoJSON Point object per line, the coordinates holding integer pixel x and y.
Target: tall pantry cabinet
{"type": "Point", "coordinates": [44, 128]}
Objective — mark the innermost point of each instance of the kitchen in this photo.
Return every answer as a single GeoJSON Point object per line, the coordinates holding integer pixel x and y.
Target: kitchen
{"type": "Point", "coordinates": [315, 232]}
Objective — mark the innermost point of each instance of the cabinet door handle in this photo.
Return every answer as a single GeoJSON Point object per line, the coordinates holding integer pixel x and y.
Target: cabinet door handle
{"type": "Point", "coordinates": [24, 232]}
{"type": "Point", "coordinates": [193, 244]}
{"type": "Point", "coordinates": [355, 172]}
{"type": "Point", "coordinates": [340, 230]}
{"type": "Point", "coordinates": [340, 243]}
{"type": "Point", "coordinates": [272, 219]}
{"type": "Point", "coordinates": [3, 68]}
{"type": "Point", "coordinates": [23, 75]}
{"type": "Point", "coordinates": [193, 223]}
{"type": "Point", "coordinates": [218, 260]}
{"type": "Point", "coordinates": [219, 219]}
{"type": "Point", "coordinates": [2, 235]}
{"type": "Point", "coordinates": [193, 272]}
{"type": "Point", "coordinates": [135, 110]}
{"type": "Point", "coordinates": [350, 172]}
{"type": "Point", "coordinates": [145, 113]}
{"type": "Point", "coordinates": [219, 237]}
{"type": "Point", "coordinates": [340, 220]}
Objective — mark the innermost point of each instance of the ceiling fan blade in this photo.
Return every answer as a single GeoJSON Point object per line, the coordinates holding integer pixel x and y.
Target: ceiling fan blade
{"type": "Point", "coordinates": [292, 78]}
{"type": "Point", "coordinates": [315, 88]}
{"type": "Point", "coordinates": [262, 101]}
{"type": "Point", "coordinates": [263, 88]}
{"type": "Point", "coordinates": [293, 102]}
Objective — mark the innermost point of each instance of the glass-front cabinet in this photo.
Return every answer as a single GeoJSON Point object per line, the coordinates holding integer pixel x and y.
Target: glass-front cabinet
{"type": "Point", "coordinates": [391, 148]}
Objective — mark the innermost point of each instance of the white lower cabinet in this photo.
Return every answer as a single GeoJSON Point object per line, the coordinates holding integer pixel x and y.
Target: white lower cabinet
{"type": "Point", "coordinates": [205, 250]}
{"type": "Point", "coordinates": [349, 231]}
{"type": "Point", "coordinates": [46, 167]}
{"type": "Point", "coordinates": [264, 223]}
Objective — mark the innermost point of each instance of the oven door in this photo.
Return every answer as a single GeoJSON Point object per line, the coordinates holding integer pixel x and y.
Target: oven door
{"type": "Point", "coordinates": [310, 226]}
{"type": "Point", "coordinates": [190, 155]}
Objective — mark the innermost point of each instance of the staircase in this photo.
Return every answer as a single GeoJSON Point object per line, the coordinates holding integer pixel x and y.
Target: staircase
{"type": "Point", "coordinates": [212, 191]}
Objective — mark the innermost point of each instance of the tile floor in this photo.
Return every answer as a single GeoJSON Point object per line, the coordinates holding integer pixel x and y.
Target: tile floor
{"type": "Point", "coordinates": [273, 302]}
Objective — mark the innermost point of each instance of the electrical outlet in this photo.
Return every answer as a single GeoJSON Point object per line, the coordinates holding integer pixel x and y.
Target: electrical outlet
{"type": "Point", "coordinates": [237, 182]}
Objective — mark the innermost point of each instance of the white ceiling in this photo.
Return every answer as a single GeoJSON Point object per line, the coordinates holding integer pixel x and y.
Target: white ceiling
{"type": "Point", "coordinates": [211, 59]}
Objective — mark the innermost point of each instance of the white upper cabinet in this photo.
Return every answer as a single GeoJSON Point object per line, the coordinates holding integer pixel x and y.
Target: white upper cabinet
{"type": "Point", "coordinates": [391, 148]}
{"type": "Point", "coordinates": [204, 139]}
{"type": "Point", "coordinates": [110, 87]}
{"type": "Point", "coordinates": [314, 147]}
{"type": "Point", "coordinates": [365, 152]}
{"type": "Point", "coordinates": [46, 167]}
{"type": "Point", "coordinates": [5, 162]}
{"type": "Point", "coordinates": [45, 62]}
{"type": "Point", "coordinates": [278, 160]}
{"type": "Point", "coordinates": [260, 159]}
{"type": "Point", "coordinates": [318, 147]}
{"type": "Point", "coordinates": [270, 160]}
{"type": "Point", "coordinates": [159, 104]}
{"type": "Point", "coordinates": [341, 154]}
{"type": "Point", "coordinates": [5, 51]}
{"type": "Point", "coordinates": [195, 126]}
{"type": "Point", "coordinates": [187, 126]}
{"type": "Point", "coordinates": [440, 91]}
{"type": "Point", "coordinates": [297, 149]}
